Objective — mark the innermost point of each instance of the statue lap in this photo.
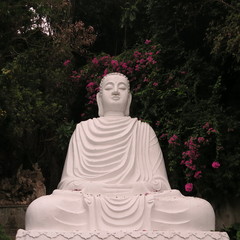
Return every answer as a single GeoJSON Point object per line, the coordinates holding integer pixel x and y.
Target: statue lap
{"type": "Point", "coordinates": [66, 210]}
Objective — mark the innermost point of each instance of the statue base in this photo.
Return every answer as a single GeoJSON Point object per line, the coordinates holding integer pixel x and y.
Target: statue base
{"type": "Point", "coordinates": [122, 235]}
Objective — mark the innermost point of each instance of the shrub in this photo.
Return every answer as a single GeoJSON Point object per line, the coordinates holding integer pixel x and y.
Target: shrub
{"type": "Point", "coordinates": [3, 235]}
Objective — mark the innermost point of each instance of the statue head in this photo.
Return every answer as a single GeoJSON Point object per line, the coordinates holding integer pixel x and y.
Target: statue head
{"type": "Point", "coordinates": [114, 97]}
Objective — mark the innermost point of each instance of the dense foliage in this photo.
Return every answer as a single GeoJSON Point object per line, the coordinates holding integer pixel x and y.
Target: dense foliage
{"type": "Point", "coordinates": [194, 137]}
{"type": "Point", "coordinates": [33, 83]}
{"type": "Point", "coordinates": [184, 81]}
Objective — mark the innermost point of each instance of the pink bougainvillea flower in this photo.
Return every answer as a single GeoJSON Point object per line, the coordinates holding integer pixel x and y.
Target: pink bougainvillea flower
{"type": "Point", "coordinates": [173, 139]}
{"type": "Point", "coordinates": [211, 130]}
{"type": "Point", "coordinates": [188, 187]}
{"type": "Point", "coordinates": [66, 62]}
{"type": "Point", "coordinates": [188, 163]}
{"type": "Point", "coordinates": [197, 174]}
{"type": "Point", "coordinates": [92, 99]}
{"type": "Point", "coordinates": [148, 41]}
{"type": "Point", "coordinates": [149, 53]}
{"type": "Point", "coordinates": [146, 80]}
{"type": "Point", "coordinates": [201, 139]}
{"type": "Point", "coordinates": [150, 59]}
{"type": "Point", "coordinates": [155, 84]}
{"type": "Point", "coordinates": [91, 84]}
{"type": "Point", "coordinates": [192, 154]}
{"type": "Point", "coordinates": [216, 164]}
{"type": "Point", "coordinates": [95, 61]}
{"type": "Point", "coordinates": [193, 167]}
{"type": "Point", "coordinates": [137, 68]}
{"type": "Point", "coordinates": [130, 70]}
{"type": "Point", "coordinates": [182, 162]}
{"type": "Point", "coordinates": [114, 63]}
{"type": "Point", "coordinates": [164, 135]}
{"type": "Point", "coordinates": [105, 60]}
{"type": "Point", "coordinates": [124, 65]}
{"type": "Point", "coordinates": [97, 89]}
{"type": "Point", "coordinates": [136, 54]}
{"type": "Point", "coordinates": [141, 61]}
{"type": "Point", "coordinates": [206, 125]}
{"type": "Point", "coordinates": [105, 72]}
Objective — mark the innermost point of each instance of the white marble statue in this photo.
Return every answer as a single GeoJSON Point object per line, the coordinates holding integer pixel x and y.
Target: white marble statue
{"type": "Point", "coordinates": [115, 179]}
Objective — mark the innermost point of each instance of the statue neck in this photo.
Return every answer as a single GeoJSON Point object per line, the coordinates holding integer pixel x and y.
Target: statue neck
{"type": "Point", "coordinates": [113, 114]}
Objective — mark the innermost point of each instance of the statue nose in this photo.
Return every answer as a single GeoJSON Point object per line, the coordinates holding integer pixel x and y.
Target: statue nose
{"type": "Point", "coordinates": [115, 92]}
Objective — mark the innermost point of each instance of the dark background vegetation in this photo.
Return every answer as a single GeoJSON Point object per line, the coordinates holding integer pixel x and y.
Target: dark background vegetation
{"type": "Point", "coordinates": [39, 105]}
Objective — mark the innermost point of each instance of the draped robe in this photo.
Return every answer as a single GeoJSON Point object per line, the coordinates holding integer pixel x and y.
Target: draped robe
{"type": "Point", "coordinates": [114, 179]}
{"type": "Point", "coordinates": [115, 153]}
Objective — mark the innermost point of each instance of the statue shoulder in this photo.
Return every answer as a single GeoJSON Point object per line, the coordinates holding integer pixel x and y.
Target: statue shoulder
{"type": "Point", "coordinates": [83, 123]}
{"type": "Point", "coordinates": [147, 126]}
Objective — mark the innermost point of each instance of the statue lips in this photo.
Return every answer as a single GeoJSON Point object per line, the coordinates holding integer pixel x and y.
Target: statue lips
{"type": "Point", "coordinates": [116, 97]}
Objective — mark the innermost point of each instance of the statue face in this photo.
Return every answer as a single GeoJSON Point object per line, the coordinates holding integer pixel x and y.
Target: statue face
{"type": "Point", "coordinates": [115, 94]}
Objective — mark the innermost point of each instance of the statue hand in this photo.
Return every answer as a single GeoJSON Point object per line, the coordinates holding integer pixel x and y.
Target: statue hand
{"type": "Point", "coordinates": [156, 185]}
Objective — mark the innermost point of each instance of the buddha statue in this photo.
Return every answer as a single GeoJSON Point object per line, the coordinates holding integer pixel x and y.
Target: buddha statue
{"type": "Point", "coordinates": [114, 177]}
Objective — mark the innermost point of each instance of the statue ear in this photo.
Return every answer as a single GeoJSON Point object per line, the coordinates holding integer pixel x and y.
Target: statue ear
{"type": "Point", "coordinates": [100, 106]}
{"type": "Point", "coordinates": [127, 111]}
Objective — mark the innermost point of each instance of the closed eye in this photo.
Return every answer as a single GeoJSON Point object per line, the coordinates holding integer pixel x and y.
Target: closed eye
{"type": "Point", "coordinates": [122, 86]}
{"type": "Point", "coordinates": [108, 86]}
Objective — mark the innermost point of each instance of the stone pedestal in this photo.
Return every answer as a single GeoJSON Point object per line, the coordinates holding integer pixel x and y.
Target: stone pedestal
{"type": "Point", "coordinates": [134, 235]}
